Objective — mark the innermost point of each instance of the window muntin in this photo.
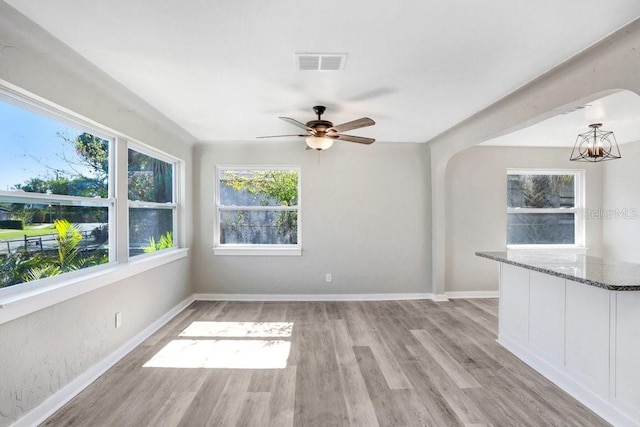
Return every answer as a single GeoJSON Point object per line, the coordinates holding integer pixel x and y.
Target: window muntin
{"type": "Point", "coordinates": [544, 206]}
{"type": "Point", "coordinates": [257, 207]}
{"type": "Point", "coordinates": [152, 209]}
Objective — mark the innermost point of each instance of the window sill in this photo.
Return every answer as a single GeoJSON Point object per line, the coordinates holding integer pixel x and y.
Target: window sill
{"type": "Point", "coordinates": [251, 250]}
{"type": "Point", "coordinates": [19, 301]}
{"type": "Point", "coordinates": [546, 248]}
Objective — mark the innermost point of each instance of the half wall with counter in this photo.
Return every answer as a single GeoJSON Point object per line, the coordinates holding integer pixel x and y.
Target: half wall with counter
{"type": "Point", "coordinates": [576, 320]}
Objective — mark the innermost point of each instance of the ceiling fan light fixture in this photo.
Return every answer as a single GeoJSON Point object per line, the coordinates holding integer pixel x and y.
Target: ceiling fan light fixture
{"type": "Point", "coordinates": [321, 133]}
{"type": "Point", "coordinates": [319, 143]}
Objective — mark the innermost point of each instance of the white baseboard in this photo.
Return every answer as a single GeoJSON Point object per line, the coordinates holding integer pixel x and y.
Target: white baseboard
{"type": "Point", "coordinates": [568, 384]}
{"type": "Point", "coordinates": [68, 392]}
{"type": "Point", "coordinates": [311, 297]}
{"type": "Point", "coordinates": [472, 294]}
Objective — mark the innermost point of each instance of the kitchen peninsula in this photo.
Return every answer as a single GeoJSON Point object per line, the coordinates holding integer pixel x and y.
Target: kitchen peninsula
{"type": "Point", "coordinates": [575, 319]}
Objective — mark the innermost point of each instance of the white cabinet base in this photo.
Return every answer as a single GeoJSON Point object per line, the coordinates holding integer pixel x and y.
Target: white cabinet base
{"type": "Point", "coordinates": [582, 338]}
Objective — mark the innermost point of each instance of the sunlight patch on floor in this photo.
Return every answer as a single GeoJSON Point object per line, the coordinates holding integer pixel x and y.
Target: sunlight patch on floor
{"type": "Point", "coordinates": [238, 329]}
{"type": "Point", "coordinates": [222, 354]}
{"type": "Point", "coordinates": [227, 345]}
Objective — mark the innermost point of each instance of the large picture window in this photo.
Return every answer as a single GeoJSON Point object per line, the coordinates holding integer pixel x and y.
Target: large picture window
{"type": "Point", "coordinates": [544, 207]}
{"type": "Point", "coordinates": [60, 210]}
{"type": "Point", "coordinates": [257, 210]}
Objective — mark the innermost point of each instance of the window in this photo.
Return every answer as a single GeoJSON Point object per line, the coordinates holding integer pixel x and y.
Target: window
{"type": "Point", "coordinates": [257, 211]}
{"type": "Point", "coordinates": [55, 195]}
{"type": "Point", "coordinates": [544, 207]}
{"type": "Point", "coordinates": [152, 208]}
{"type": "Point", "coordinates": [59, 205]}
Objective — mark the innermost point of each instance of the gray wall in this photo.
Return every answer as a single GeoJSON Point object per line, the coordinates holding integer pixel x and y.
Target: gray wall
{"type": "Point", "coordinates": [476, 208]}
{"type": "Point", "coordinates": [621, 206]}
{"type": "Point", "coordinates": [365, 219]}
{"type": "Point", "coordinates": [44, 351]}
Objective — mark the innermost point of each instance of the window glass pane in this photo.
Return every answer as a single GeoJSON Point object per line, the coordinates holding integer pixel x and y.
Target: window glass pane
{"type": "Point", "coordinates": [540, 191]}
{"type": "Point", "coordinates": [259, 227]}
{"type": "Point", "coordinates": [39, 241]}
{"type": "Point", "coordinates": [540, 228]}
{"type": "Point", "coordinates": [150, 230]}
{"type": "Point", "coordinates": [42, 155]}
{"type": "Point", "coordinates": [258, 187]}
{"type": "Point", "coordinates": [150, 179]}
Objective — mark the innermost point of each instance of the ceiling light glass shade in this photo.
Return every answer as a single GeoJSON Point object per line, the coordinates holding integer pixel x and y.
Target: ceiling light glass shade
{"type": "Point", "coordinates": [319, 143]}
{"type": "Point", "coordinates": [595, 146]}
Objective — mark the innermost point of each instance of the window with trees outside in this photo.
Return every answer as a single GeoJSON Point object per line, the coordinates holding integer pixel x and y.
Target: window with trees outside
{"type": "Point", "coordinates": [544, 207]}
{"type": "Point", "coordinates": [151, 203]}
{"type": "Point", "coordinates": [58, 201]}
{"type": "Point", "coordinates": [257, 211]}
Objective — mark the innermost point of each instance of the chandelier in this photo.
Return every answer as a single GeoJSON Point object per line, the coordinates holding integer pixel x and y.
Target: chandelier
{"type": "Point", "coordinates": [595, 145]}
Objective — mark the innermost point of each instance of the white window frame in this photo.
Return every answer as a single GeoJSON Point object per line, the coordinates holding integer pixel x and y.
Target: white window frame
{"type": "Point", "coordinates": [25, 298]}
{"type": "Point", "coordinates": [254, 249]}
{"type": "Point", "coordinates": [173, 205]}
{"type": "Point", "coordinates": [577, 210]}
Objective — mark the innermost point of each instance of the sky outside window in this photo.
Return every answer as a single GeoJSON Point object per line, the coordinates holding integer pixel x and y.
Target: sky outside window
{"type": "Point", "coordinates": [31, 146]}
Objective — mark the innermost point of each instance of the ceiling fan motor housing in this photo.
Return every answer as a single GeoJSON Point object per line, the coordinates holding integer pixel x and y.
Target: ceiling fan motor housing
{"type": "Point", "coordinates": [320, 125]}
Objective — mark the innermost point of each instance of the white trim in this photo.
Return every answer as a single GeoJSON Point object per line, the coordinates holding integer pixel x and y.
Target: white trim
{"type": "Point", "coordinates": [472, 294]}
{"type": "Point", "coordinates": [542, 171]}
{"type": "Point", "coordinates": [18, 196]}
{"type": "Point", "coordinates": [313, 297]}
{"type": "Point", "coordinates": [19, 302]}
{"type": "Point", "coordinates": [47, 408]}
{"type": "Point", "coordinates": [440, 298]}
{"type": "Point", "coordinates": [258, 250]}
{"type": "Point", "coordinates": [151, 205]}
{"type": "Point", "coordinates": [564, 248]}
{"type": "Point", "coordinates": [579, 204]}
{"type": "Point", "coordinates": [149, 151]}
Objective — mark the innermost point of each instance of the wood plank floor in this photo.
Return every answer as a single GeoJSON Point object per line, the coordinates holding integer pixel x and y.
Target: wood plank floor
{"type": "Point", "coordinates": [395, 363]}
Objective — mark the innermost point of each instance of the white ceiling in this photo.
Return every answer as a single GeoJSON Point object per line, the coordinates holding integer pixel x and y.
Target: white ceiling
{"type": "Point", "coordinates": [224, 70]}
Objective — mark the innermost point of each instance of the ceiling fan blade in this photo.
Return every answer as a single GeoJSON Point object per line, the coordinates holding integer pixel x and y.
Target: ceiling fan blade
{"type": "Point", "coordinates": [280, 136]}
{"type": "Point", "coordinates": [296, 123]}
{"type": "Point", "coordinates": [358, 139]}
{"type": "Point", "coordinates": [355, 124]}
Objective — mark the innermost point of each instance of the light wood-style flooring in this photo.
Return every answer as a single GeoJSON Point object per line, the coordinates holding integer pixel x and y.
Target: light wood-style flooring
{"type": "Point", "coordinates": [392, 363]}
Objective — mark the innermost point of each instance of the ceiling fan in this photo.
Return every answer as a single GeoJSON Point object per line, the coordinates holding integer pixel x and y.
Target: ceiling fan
{"type": "Point", "coordinates": [321, 133]}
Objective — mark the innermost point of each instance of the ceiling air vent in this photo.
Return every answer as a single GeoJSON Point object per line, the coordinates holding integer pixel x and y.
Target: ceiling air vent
{"type": "Point", "coordinates": [320, 61]}
{"type": "Point", "coordinates": [572, 110]}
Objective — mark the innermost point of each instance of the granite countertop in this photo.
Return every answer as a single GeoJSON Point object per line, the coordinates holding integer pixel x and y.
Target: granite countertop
{"type": "Point", "coordinates": [594, 271]}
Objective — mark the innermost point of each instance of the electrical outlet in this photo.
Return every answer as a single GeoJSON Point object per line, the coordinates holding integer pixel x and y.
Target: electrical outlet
{"type": "Point", "coordinates": [328, 278]}
{"type": "Point", "coordinates": [118, 319]}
